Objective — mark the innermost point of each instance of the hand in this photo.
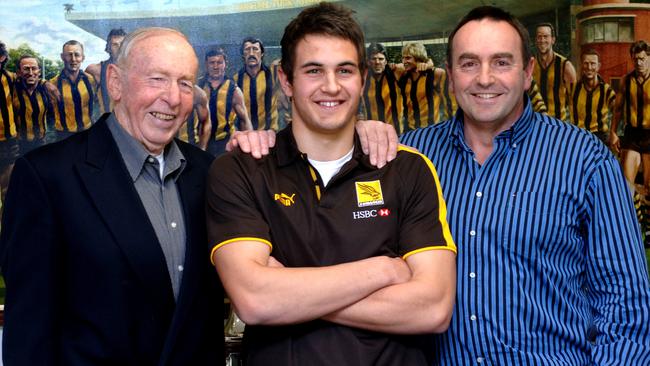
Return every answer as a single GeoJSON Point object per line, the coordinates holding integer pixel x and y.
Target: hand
{"type": "Point", "coordinates": [378, 140]}
{"type": "Point", "coordinates": [254, 142]}
{"type": "Point", "coordinates": [614, 142]}
{"type": "Point", "coordinates": [52, 91]}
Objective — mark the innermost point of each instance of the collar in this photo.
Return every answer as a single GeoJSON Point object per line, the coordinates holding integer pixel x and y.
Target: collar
{"type": "Point", "coordinates": [515, 134]}
{"type": "Point", "coordinates": [286, 150]}
{"type": "Point", "coordinates": [135, 155]}
{"type": "Point", "coordinates": [64, 75]}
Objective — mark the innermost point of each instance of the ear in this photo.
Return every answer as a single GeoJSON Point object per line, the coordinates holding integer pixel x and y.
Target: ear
{"type": "Point", "coordinates": [114, 81]}
{"type": "Point", "coordinates": [62, 59]}
{"type": "Point", "coordinates": [287, 88]}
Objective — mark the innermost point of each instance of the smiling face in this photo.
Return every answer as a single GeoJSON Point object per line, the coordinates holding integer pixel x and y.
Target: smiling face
{"type": "Point", "coordinates": [72, 56]}
{"type": "Point", "coordinates": [29, 71]}
{"type": "Point", "coordinates": [327, 84]}
{"type": "Point", "coordinates": [544, 39]}
{"type": "Point", "coordinates": [153, 92]}
{"type": "Point", "coordinates": [641, 60]}
{"type": "Point", "coordinates": [590, 67]}
{"type": "Point", "coordinates": [115, 43]}
{"type": "Point", "coordinates": [488, 74]}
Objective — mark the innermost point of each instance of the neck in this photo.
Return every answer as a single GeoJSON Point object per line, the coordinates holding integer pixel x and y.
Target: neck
{"type": "Point", "coordinates": [215, 81]}
{"type": "Point", "coordinates": [547, 57]}
{"type": "Point", "coordinates": [323, 146]}
{"type": "Point", "coordinates": [479, 136]}
{"type": "Point", "coordinates": [253, 70]}
{"type": "Point", "coordinates": [30, 87]}
{"type": "Point", "coordinates": [591, 83]}
{"type": "Point", "coordinates": [72, 76]}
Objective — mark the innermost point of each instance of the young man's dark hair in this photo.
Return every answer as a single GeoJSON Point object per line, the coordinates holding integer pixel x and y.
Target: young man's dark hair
{"type": "Point", "coordinates": [376, 48]}
{"type": "Point", "coordinates": [251, 40]}
{"type": "Point", "coordinates": [591, 51]}
{"type": "Point", "coordinates": [217, 51]}
{"type": "Point", "coordinates": [497, 14]}
{"type": "Point", "coordinates": [3, 52]}
{"type": "Point", "coordinates": [638, 47]}
{"type": "Point", "coordinates": [115, 32]}
{"type": "Point", "coordinates": [545, 24]}
{"type": "Point", "coordinates": [325, 19]}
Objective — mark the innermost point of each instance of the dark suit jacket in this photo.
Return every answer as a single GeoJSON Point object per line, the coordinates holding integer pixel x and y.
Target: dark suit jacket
{"type": "Point", "coordinates": [87, 282]}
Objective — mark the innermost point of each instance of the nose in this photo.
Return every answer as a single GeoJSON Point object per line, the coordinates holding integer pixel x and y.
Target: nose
{"type": "Point", "coordinates": [484, 77]}
{"type": "Point", "coordinates": [173, 94]}
{"type": "Point", "coordinates": [330, 83]}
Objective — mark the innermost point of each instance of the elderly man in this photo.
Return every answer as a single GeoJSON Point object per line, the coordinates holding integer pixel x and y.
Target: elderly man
{"type": "Point", "coordinates": [103, 244]}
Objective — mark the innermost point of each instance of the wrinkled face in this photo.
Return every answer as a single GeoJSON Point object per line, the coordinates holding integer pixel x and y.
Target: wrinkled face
{"type": "Point", "coordinates": [377, 62]}
{"type": "Point", "coordinates": [153, 92]}
{"type": "Point", "coordinates": [408, 61]}
{"type": "Point", "coordinates": [115, 43]}
{"type": "Point", "coordinates": [29, 71]}
{"type": "Point", "coordinates": [590, 67]}
{"type": "Point", "coordinates": [641, 63]}
{"type": "Point", "coordinates": [72, 56]}
{"type": "Point", "coordinates": [544, 39]}
{"type": "Point", "coordinates": [488, 74]}
{"type": "Point", "coordinates": [327, 83]}
{"type": "Point", "coordinates": [252, 54]}
{"type": "Point", "coordinates": [216, 67]}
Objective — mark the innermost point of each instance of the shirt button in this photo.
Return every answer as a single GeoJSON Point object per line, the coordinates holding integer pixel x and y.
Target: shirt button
{"type": "Point", "coordinates": [479, 194]}
{"type": "Point", "coordinates": [479, 359]}
{"type": "Point", "coordinates": [472, 233]}
{"type": "Point", "coordinates": [472, 317]}
{"type": "Point", "coordinates": [150, 159]}
{"type": "Point", "coordinates": [514, 145]}
{"type": "Point", "coordinates": [180, 268]}
{"type": "Point", "coordinates": [173, 225]}
{"type": "Point", "coordinates": [472, 275]}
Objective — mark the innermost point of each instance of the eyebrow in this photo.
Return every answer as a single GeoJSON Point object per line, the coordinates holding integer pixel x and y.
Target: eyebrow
{"type": "Point", "coordinates": [469, 55]}
{"type": "Point", "coordinates": [318, 64]}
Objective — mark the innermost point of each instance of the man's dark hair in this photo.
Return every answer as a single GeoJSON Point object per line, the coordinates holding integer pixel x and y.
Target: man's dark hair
{"type": "Point", "coordinates": [591, 51]}
{"type": "Point", "coordinates": [638, 47]}
{"type": "Point", "coordinates": [323, 19]}
{"type": "Point", "coordinates": [216, 51]}
{"type": "Point", "coordinates": [115, 32]}
{"type": "Point", "coordinates": [251, 40]}
{"type": "Point", "coordinates": [496, 14]}
{"type": "Point", "coordinates": [375, 48]}
{"type": "Point", "coordinates": [3, 52]}
{"type": "Point", "coordinates": [545, 24]}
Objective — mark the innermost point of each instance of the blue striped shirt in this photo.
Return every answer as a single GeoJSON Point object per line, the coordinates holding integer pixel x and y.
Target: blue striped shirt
{"type": "Point", "coordinates": [551, 268]}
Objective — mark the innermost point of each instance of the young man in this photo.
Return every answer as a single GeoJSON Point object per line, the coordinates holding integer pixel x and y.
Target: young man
{"type": "Point", "coordinates": [74, 111]}
{"type": "Point", "coordinates": [592, 99]}
{"type": "Point", "coordinates": [328, 260]}
{"type": "Point", "coordinates": [103, 243]}
{"type": "Point", "coordinates": [553, 73]}
{"type": "Point", "coordinates": [98, 71]}
{"type": "Point", "coordinates": [226, 102]}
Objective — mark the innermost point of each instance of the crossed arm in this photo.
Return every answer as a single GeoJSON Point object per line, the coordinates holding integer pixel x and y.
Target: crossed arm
{"type": "Point", "coordinates": [379, 293]}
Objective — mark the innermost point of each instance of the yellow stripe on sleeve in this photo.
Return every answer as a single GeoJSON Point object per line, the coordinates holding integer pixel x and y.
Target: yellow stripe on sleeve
{"type": "Point", "coordinates": [225, 242]}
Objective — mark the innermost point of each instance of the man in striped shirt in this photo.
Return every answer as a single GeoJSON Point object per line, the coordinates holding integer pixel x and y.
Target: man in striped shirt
{"type": "Point", "coordinates": [31, 104]}
{"type": "Point", "coordinates": [592, 99]}
{"type": "Point", "coordinates": [258, 83]}
{"type": "Point", "coordinates": [74, 111]}
{"type": "Point", "coordinates": [551, 268]}
{"type": "Point", "coordinates": [554, 74]}
{"type": "Point", "coordinates": [98, 71]}
{"type": "Point", "coordinates": [8, 141]}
